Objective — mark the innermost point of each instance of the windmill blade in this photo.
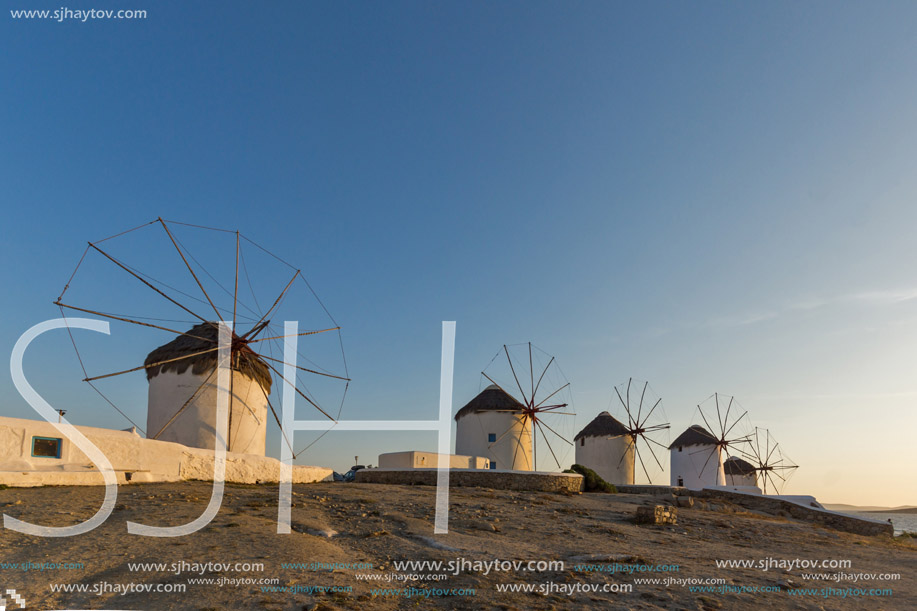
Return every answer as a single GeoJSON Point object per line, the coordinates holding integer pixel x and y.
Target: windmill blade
{"type": "Point", "coordinates": [716, 398]}
{"type": "Point", "coordinates": [497, 385]}
{"type": "Point", "coordinates": [318, 373]}
{"type": "Point", "coordinates": [301, 393]}
{"type": "Point", "coordinates": [715, 450]}
{"type": "Point", "coordinates": [630, 423]}
{"type": "Point", "coordinates": [640, 406]}
{"type": "Point", "coordinates": [645, 439]}
{"type": "Point", "coordinates": [60, 304]}
{"type": "Point", "coordinates": [728, 409]}
{"type": "Point", "coordinates": [552, 394]}
{"type": "Point", "coordinates": [640, 458]}
{"type": "Point", "coordinates": [264, 339]}
{"type": "Point", "coordinates": [655, 405]}
{"type": "Point", "coordinates": [735, 423]}
{"type": "Point", "coordinates": [547, 443]}
{"type": "Point", "coordinates": [172, 360]}
{"type": "Point", "coordinates": [513, 369]}
{"type": "Point", "coordinates": [541, 377]}
{"type": "Point", "coordinates": [531, 373]}
{"type": "Point", "coordinates": [709, 428]}
{"type": "Point", "coordinates": [561, 437]}
{"type": "Point", "coordinates": [193, 275]}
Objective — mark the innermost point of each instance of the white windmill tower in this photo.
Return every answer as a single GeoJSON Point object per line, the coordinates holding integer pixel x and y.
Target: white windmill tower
{"type": "Point", "coordinates": [527, 395]}
{"type": "Point", "coordinates": [740, 472]}
{"type": "Point", "coordinates": [605, 447]}
{"type": "Point", "coordinates": [691, 465]}
{"type": "Point", "coordinates": [697, 455]}
{"type": "Point", "coordinates": [491, 413]}
{"type": "Point", "coordinates": [608, 446]}
{"type": "Point", "coordinates": [183, 393]}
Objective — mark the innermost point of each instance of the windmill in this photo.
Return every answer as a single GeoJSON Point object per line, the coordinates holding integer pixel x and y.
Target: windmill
{"type": "Point", "coordinates": [772, 466]}
{"type": "Point", "coordinates": [528, 404]}
{"type": "Point", "coordinates": [697, 454]}
{"type": "Point", "coordinates": [181, 280]}
{"type": "Point", "coordinates": [642, 425]}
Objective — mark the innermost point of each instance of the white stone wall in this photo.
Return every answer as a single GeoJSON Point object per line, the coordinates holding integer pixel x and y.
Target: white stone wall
{"type": "Point", "coordinates": [512, 452]}
{"type": "Point", "coordinates": [604, 456]}
{"type": "Point", "coordinates": [196, 425]}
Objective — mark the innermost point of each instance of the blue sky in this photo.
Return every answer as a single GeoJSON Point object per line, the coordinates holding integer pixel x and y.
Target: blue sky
{"type": "Point", "coordinates": [713, 197]}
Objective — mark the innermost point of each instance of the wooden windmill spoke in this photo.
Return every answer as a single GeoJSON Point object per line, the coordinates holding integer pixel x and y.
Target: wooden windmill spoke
{"type": "Point", "coordinates": [184, 405]}
{"type": "Point", "coordinates": [318, 373]}
{"type": "Point", "coordinates": [640, 406]}
{"type": "Point", "coordinates": [651, 440]}
{"type": "Point", "coordinates": [655, 405]}
{"type": "Point", "coordinates": [531, 373]}
{"type": "Point", "coordinates": [274, 305]}
{"type": "Point", "coordinates": [264, 339]}
{"type": "Point", "coordinates": [652, 452]}
{"type": "Point", "coordinates": [501, 388]}
{"type": "Point", "coordinates": [193, 275]}
{"type": "Point", "coordinates": [138, 277]}
{"type": "Point", "coordinates": [235, 291]}
{"type": "Point", "coordinates": [640, 458]}
{"type": "Point", "coordinates": [709, 428]}
{"type": "Point", "coordinates": [735, 423]}
{"type": "Point", "coordinates": [151, 365]}
{"type": "Point", "coordinates": [630, 423]}
{"type": "Point", "coordinates": [301, 393]}
{"type": "Point", "coordinates": [541, 377]}
{"type": "Point", "coordinates": [726, 419]}
{"type": "Point", "coordinates": [548, 408]}
{"type": "Point", "coordinates": [719, 417]}
{"type": "Point", "coordinates": [552, 394]}
{"type": "Point", "coordinates": [656, 427]}
{"type": "Point", "coordinates": [129, 320]}
{"type": "Point", "coordinates": [715, 450]}
{"type": "Point", "coordinates": [547, 443]}
{"type": "Point", "coordinates": [555, 432]}
{"type": "Point", "coordinates": [513, 369]}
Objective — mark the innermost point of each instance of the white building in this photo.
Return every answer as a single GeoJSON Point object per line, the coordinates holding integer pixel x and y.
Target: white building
{"type": "Point", "coordinates": [492, 425]}
{"type": "Point", "coordinates": [430, 460]}
{"type": "Point", "coordinates": [182, 394]}
{"type": "Point", "coordinates": [36, 453]}
{"type": "Point", "coordinates": [606, 447]}
{"type": "Point", "coordinates": [739, 472]}
{"type": "Point", "coordinates": [696, 460]}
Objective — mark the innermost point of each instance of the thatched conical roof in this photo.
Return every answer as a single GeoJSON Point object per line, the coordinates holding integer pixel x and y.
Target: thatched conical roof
{"type": "Point", "coordinates": [204, 337]}
{"type": "Point", "coordinates": [737, 466]}
{"type": "Point", "coordinates": [603, 425]}
{"type": "Point", "coordinates": [491, 398]}
{"type": "Point", "coordinates": [694, 435]}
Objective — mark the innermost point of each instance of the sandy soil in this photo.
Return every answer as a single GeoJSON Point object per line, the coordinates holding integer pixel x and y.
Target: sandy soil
{"type": "Point", "coordinates": [379, 524]}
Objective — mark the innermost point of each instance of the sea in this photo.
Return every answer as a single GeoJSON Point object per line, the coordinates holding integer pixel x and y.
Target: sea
{"type": "Point", "coordinates": [903, 522]}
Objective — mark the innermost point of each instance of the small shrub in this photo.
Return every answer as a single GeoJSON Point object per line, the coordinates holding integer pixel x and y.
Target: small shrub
{"type": "Point", "coordinates": [591, 480]}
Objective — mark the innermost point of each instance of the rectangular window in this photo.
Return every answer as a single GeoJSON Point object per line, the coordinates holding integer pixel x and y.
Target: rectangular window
{"type": "Point", "coordinates": [493, 464]}
{"type": "Point", "coordinates": [48, 447]}
{"type": "Point", "coordinates": [491, 437]}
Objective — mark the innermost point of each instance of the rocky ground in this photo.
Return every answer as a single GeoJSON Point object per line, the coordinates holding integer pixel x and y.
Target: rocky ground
{"type": "Point", "coordinates": [379, 525]}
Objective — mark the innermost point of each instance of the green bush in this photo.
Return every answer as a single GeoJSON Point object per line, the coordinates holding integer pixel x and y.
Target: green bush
{"type": "Point", "coordinates": [591, 480]}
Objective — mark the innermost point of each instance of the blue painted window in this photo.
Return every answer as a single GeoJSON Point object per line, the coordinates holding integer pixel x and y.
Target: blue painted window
{"type": "Point", "coordinates": [491, 437]}
{"type": "Point", "coordinates": [47, 447]}
{"type": "Point", "coordinates": [493, 464]}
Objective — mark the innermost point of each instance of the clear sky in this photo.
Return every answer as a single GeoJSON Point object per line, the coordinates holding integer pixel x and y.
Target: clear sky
{"type": "Point", "coordinates": [716, 197]}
